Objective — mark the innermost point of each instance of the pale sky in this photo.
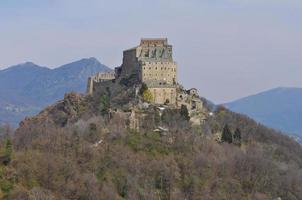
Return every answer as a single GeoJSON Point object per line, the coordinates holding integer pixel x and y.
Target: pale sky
{"type": "Point", "coordinates": [225, 48]}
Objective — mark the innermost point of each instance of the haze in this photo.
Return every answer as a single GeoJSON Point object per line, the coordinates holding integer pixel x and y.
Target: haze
{"type": "Point", "coordinates": [225, 48]}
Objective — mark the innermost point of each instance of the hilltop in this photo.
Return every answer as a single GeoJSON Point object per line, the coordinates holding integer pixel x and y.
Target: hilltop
{"type": "Point", "coordinates": [26, 88]}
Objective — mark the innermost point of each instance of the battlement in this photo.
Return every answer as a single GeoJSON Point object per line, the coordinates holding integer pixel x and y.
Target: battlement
{"type": "Point", "coordinates": [103, 76]}
{"type": "Point", "coordinates": [99, 77]}
{"type": "Point", "coordinates": [147, 42]}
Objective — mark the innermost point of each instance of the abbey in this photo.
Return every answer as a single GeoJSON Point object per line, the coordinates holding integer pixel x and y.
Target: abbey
{"type": "Point", "coordinates": [152, 63]}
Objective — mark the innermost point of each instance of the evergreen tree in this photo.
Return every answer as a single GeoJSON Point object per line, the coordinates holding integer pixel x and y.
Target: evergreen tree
{"type": "Point", "coordinates": [237, 137]}
{"type": "Point", "coordinates": [184, 112]}
{"type": "Point", "coordinates": [227, 135]}
{"type": "Point", "coordinates": [93, 137]}
{"type": "Point", "coordinates": [104, 105]}
{"type": "Point", "coordinates": [143, 89]}
{"type": "Point", "coordinates": [8, 152]}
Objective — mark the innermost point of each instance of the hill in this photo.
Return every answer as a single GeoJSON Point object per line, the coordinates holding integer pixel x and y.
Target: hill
{"type": "Point", "coordinates": [82, 147]}
{"type": "Point", "coordinates": [26, 88]}
{"type": "Point", "coordinates": [278, 108]}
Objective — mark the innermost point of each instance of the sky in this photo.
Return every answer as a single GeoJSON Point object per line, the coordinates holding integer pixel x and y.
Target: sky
{"type": "Point", "coordinates": [227, 49]}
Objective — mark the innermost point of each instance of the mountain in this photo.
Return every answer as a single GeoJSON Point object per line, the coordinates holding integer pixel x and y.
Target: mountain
{"type": "Point", "coordinates": [279, 108]}
{"type": "Point", "coordinates": [26, 88]}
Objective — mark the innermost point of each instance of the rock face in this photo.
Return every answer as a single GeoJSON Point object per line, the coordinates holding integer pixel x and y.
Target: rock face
{"type": "Point", "coordinates": [26, 88]}
{"type": "Point", "coordinates": [59, 114]}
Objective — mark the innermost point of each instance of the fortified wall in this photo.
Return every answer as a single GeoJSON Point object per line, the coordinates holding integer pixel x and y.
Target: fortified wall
{"type": "Point", "coordinates": [97, 78]}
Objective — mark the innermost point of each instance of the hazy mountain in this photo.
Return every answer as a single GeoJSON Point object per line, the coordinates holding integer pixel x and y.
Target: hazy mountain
{"type": "Point", "coordinates": [26, 88]}
{"type": "Point", "coordinates": [279, 108]}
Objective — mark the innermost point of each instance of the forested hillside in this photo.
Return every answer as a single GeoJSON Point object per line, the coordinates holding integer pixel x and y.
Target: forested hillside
{"type": "Point", "coordinates": [75, 150]}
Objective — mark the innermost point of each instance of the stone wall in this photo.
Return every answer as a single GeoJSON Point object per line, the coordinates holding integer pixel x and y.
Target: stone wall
{"type": "Point", "coordinates": [159, 71]}
{"type": "Point", "coordinates": [130, 63]}
{"type": "Point", "coordinates": [162, 95]}
{"type": "Point", "coordinates": [190, 99]}
{"type": "Point", "coordinates": [99, 77]}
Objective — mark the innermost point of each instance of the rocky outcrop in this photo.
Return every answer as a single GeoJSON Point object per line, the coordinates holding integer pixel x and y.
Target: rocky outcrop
{"type": "Point", "coordinates": [59, 114]}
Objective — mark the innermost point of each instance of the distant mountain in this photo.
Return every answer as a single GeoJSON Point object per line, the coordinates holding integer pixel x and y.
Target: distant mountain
{"type": "Point", "coordinates": [26, 88]}
{"type": "Point", "coordinates": [279, 108]}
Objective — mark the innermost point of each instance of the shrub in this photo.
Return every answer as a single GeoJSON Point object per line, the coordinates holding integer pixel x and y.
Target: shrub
{"type": "Point", "coordinates": [143, 89]}
{"type": "Point", "coordinates": [184, 112]}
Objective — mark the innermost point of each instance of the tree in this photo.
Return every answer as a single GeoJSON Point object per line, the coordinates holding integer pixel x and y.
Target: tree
{"type": "Point", "coordinates": [184, 112]}
{"type": "Point", "coordinates": [8, 152]}
{"type": "Point", "coordinates": [92, 132]}
{"type": "Point", "coordinates": [237, 137]}
{"type": "Point", "coordinates": [143, 89]}
{"type": "Point", "coordinates": [147, 96]}
{"type": "Point", "coordinates": [104, 105]}
{"type": "Point", "coordinates": [227, 135]}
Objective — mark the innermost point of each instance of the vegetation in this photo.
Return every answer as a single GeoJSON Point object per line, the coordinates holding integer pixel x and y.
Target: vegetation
{"type": "Point", "coordinates": [237, 137]}
{"type": "Point", "coordinates": [147, 96]}
{"type": "Point", "coordinates": [227, 135]}
{"type": "Point", "coordinates": [184, 112]}
{"type": "Point", "coordinates": [96, 157]}
{"type": "Point", "coordinates": [104, 105]}
{"type": "Point", "coordinates": [143, 88]}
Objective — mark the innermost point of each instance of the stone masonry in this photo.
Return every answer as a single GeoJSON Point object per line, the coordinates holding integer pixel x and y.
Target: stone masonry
{"type": "Point", "coordinates": [152, 63]}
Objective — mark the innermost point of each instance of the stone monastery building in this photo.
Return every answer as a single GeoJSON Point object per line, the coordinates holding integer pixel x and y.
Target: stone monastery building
{"type": "Point", "coordinates": [152, 63]}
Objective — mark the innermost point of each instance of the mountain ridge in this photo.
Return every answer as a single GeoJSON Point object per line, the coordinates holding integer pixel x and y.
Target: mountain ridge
{"type": "Point", "coordinates": [278, 108]}
{"type": "Point", "coordinates": [27, 87]}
